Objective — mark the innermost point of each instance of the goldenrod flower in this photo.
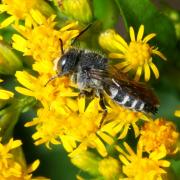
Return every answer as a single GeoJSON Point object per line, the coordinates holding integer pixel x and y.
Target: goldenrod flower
{"type": "Point", "coordinates": [137, 167]}
{"type": "Point", "coordinates": [177, 113]}
{"type": "Point", "coordinates": [109, 168]}
{"type": "Point", "coordinates": [4, 94]}
{"type": "Point", "coordinates": [42, 40]}
{"type": "Point", "coordinates": [21, 10]}
{"type": "Point", "coordinates": [137, 55]}
{"type": "Point", "coordinates": [17, 9]}
{"type": "Point", "coordinates": [120, 119]}
{"type": "Point", "coordinates": [85, 127]}
{"type": "Point", "coordinates": [106, 167]}
{"type": "Point", "coordinates": [79, 10]}
{"type": "Point", "coordinates": [157, 133]}
{"type": "Point", "coordinates": [87, 161]}
{"type": "Point", "coordinates": [57, 91]}
{"type": "Point", "coordinates": [9, 61]}
{"type": "Point", "coordinates": [55, 97]}
{"type": "Point", "coordinates": [71, 123]}
{"type": "Point", "coordinates": [10, 168]}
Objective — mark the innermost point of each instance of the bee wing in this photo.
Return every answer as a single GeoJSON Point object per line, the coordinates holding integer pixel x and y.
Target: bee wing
{"type": "Point", "coordinates": [112, 77]}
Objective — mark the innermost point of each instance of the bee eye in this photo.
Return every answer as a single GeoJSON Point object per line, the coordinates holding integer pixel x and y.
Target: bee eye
{"type": "Point", "coordinates": [63, 62]}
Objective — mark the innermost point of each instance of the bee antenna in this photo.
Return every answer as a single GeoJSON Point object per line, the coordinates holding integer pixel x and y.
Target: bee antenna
{"type": "Point", "coordinates": [51, 79]}
{"type": "Point", "coordinates": [61, 43]}
{"type": "Point", "coordinates": [82, 32]}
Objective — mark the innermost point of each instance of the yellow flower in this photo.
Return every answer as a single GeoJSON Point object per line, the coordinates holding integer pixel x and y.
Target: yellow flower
{"type": "Point", "coordinates": [17, 9]}
{"type": "Point", "coordinates": [119, 120]}
{"type": "Point", "coordinates": [109, 168]}
{"type": "Point", "coordinates": [85, 128]}
{"type": "Point", "coordinates": [42, 40]}
{"type": "Point", "coordinates": [71, 123]}
{"type": "Point", "coordinates": [137, 55]}
{"type": "Point", "coordinates": [10, 168]}
{"type": "Point", "coordinates": [137, 167]}
{"type": "Point", "coordinates": [177, 113]}
{"type": "Point", "coordinates": [4, 94]}
{"type": "Point", "coordinates": [87, 161]}
{"type": "Point", "coordinates": [159, 133]}
{"type": "Point", "coordinates": [57, 91]}
{"type": "Point", "coordinates": [79, 10]}
{"type": "Point", "coordinates": [22, 10]}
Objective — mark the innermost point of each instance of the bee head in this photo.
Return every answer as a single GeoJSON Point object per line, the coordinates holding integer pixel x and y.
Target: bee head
{"type": "Point", "coordinates": [67, 63]}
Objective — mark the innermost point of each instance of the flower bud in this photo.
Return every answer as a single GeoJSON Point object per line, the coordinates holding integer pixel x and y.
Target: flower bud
{"type": "Point", "coordinates": [86, 161]}
{"type": "Point", "coordinates": [79, 10]}
{"type": "Point", "coordinates": [110, 168]}
{"type": "Point", "coordinates": [9, 62]}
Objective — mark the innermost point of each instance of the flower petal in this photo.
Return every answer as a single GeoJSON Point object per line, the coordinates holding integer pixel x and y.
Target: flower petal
{"type": "Point", "coordinates": [146, 72]}
{"type": "Point", "coordinates": [19, 43]}
{"type": "Point", "coordinates": [149, 37]}
{"type": "Point", "coordinates": [155, 70]}
{"type": "Point", "coordinates": [7, 21]}
{"type": "Point", "coordinates": [161, 55]}
{"type": "Point", "coordinates": [5, 94]}
{"type": "Point", "coordinates": [124, 132]}
{"type": "Point", "coordinates": [132, 34]}
{"type": "Point", "coordinates": [116, 55]}
{"type": "Point", "coordinates": [37, 16]}
{"type": "Point", "coordinates": [81, 104]}
{"type": "Point", "coordinates": [33, 166]}
{"type": "Point", "coordinates": [138, 73]}
{"type": "Point", "coordinates": [121, 40]}
{"type": "Point", "coordinates": [140, 33]}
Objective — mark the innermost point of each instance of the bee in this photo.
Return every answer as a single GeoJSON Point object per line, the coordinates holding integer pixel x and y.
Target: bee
{"type": "Point", "coordinates": [93, 75]}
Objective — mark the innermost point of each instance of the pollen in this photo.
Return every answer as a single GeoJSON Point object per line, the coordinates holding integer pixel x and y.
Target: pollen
{"type": "Point", "coordinates": [159, 133]}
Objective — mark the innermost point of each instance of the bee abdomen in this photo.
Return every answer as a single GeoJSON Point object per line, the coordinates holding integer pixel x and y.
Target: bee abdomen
{"type": "Point", "coordinates": [130, 101]}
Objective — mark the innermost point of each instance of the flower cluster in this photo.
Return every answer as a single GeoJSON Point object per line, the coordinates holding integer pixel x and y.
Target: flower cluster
{"type": "Point", "coordinates": [71, 121]}
{"type": "Point", "coordinates": [150, 166]}
{"type": "Point", "coordinates": [78, 122]}
{"type": "Point", "coordinates": [13, 168]}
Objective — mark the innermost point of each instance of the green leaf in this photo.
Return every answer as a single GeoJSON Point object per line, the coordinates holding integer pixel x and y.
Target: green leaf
{"type": "Point", "coordinates": [137, 12]}
{"type": "Point", "coordinates": [10, 115]}
{"type": "Point", "coordinates": [106, 12]}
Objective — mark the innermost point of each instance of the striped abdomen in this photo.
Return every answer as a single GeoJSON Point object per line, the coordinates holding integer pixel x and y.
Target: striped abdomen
{"type": "Point", "coordinates": [126, 99]}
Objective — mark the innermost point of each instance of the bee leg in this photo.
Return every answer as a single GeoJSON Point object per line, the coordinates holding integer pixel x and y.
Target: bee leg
{"type": "Point", "coordinates": [103, 106]}
{"type": "Point", "coordinates": [84, 93]}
